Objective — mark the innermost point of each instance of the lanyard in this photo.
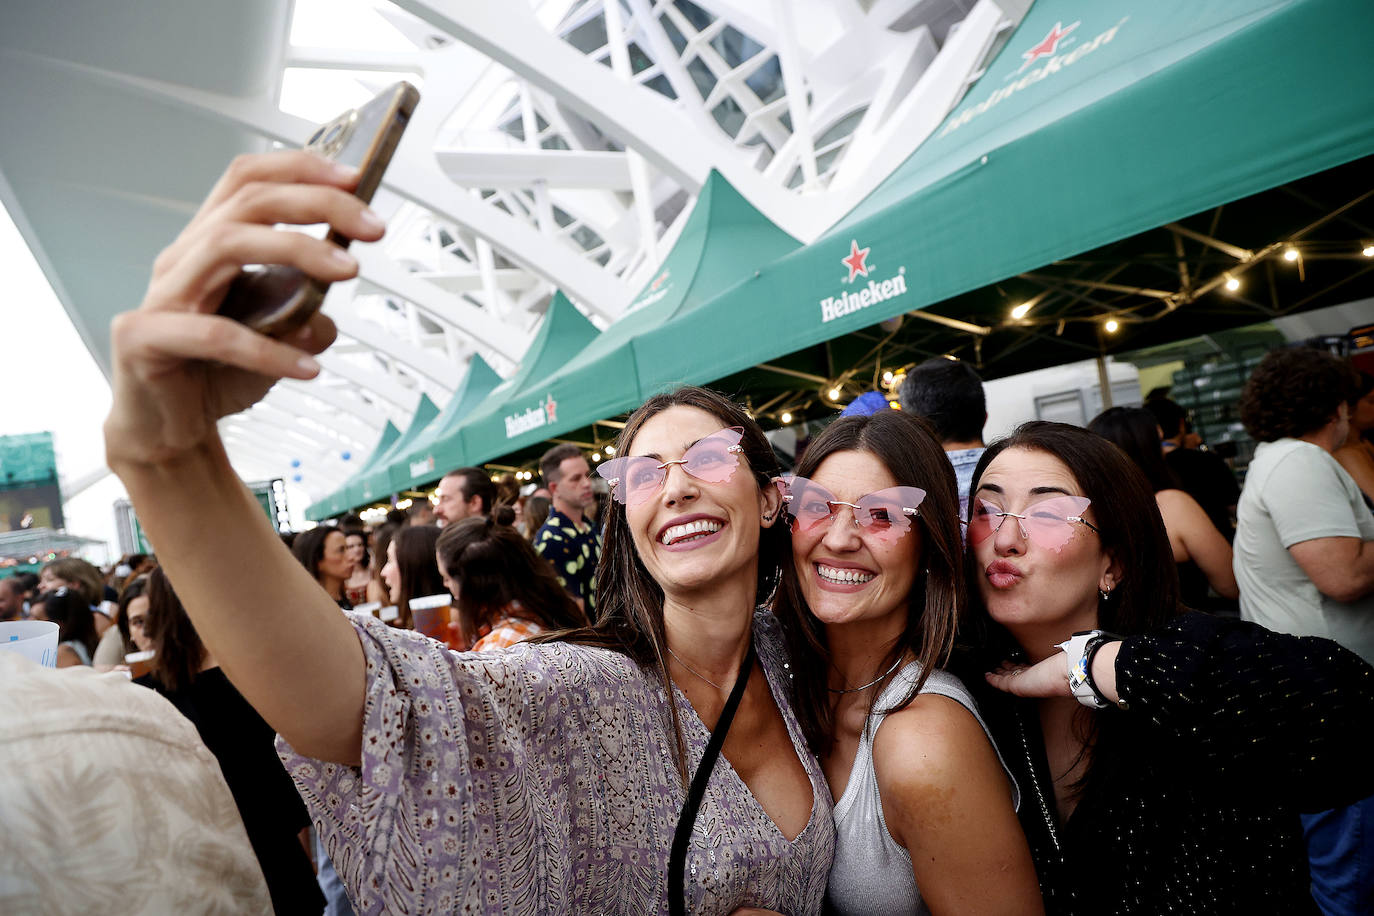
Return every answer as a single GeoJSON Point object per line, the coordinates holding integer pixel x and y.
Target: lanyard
{"type": "Point", "coordinates": [677, 857]}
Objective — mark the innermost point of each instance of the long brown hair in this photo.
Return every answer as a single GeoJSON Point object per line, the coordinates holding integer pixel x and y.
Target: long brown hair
{"type": "Point", "coordinates": [494, 566]}
{"type": "Point", "coordinates": [629, 603]}
{"type": "Point", "coordinates": [907, 446]}
{"type": "Point", "coordinates": [419, 573]}
{"type": "Point", "coordinates": [180, 653]}
{"type": "Point", "coordinates": [1131, 532]}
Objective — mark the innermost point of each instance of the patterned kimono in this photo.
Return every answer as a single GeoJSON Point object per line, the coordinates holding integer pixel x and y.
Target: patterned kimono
{"type": "Point", "coordinates": [540, 779]}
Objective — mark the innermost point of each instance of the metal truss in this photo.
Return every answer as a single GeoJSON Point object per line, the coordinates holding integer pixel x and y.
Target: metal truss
{"type": "Point", "coordinates": [559, 146]}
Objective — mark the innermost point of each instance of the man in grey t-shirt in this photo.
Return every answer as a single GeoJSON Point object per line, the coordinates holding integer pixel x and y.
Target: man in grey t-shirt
{"type": "Point", "coordinates": [1304, 560]}
{"type": "Point", "coordinates": [1304, 549]}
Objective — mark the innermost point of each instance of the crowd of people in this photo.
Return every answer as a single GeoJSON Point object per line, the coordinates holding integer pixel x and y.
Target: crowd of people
{"type": "Point", "coordinates": [1037, 675]}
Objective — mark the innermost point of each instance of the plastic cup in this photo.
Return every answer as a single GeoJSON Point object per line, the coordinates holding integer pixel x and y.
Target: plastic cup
{"type": "Point", "coordinates": [140, 663]}
{"type": "Point", "coordinates": [389, 614]}
{"type": "Point", "coordinates": [371, 607]}
{"type": "Point", "coordinates": [36, 640]}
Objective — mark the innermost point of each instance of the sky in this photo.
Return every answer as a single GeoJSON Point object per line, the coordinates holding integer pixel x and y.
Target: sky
{"type": "Point", "coordinates": [53, 384]}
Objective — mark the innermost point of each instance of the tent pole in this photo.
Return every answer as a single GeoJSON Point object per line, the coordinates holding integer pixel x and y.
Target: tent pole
{"type": "Point", "coordinates": [1104, 381]}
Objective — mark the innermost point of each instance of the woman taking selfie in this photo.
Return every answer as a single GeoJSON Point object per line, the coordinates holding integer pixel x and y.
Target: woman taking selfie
{"type": "Point", "coordinates": [1162, 756]}
{"type": "Point", "coordinates": [925, 812]}
{"type": "Point", "coordinates": [545, 778]}
{"type": "Point", "coordinates": [506, 592]}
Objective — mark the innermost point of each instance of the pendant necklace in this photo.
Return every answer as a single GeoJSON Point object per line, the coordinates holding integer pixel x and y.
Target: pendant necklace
{"type": "Point", "coordinates": [857, 689]}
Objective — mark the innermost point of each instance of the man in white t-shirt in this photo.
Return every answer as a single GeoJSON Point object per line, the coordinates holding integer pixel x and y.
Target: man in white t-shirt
{"type": "Point", "coordinates": [1304, 561]}
{"type": "Point", "coordinates": [1304, 549]}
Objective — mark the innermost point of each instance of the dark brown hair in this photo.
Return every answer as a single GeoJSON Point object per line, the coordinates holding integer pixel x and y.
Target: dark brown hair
{"type": "Point", "coordinates": [1294, 392]}
{"type": "Point", "coordinates": [629, 603]}
{"type": "Point", "coordinates": [494, 566]}
{"type": "Point", "coordinates": [180, 653]}
{"type": "Point", "coordinates": [415, 546]}
{"type": "Point", "coordinates": [308, 547]}
{"type": "Point", "coordinates": [1129, 525]}
{"type": "Point", "coordinates": [908, 447]}
{"type": "Point", "coordinates": [1135, 431]}
{"type": "Point", "coordinates": [551, 464]}
{"type": "Point", "coordinates": [133, 588]}
{"type": "Point", "coordinates": [81, 574]}
{"type": "Point", "coordinates": [68, 608]}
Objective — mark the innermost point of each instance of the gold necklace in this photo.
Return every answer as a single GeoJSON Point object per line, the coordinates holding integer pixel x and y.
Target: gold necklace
{"type": "Point", "coordinates": [691, 669]}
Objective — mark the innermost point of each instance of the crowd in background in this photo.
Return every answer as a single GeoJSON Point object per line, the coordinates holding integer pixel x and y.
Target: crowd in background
{"type": "Point", "coordinates": [1291, 550]}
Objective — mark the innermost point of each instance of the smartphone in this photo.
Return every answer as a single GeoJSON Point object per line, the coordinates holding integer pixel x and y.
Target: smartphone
{"type": "Point", "coordinates": [275, 299]}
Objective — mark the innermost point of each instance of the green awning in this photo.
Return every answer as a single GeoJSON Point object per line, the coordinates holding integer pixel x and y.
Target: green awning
{"type": "Point", "coordinates": [336, 502]}
{"type": "Point", "coordinates": [722, 241]}
{"type": "Point", "coordinates": [425, 460]}
{"type": "Point", "coordinates": [375, 483]}
{"type": "Point", "coordinates": [521, 402]}
{"type": "Point", "coordinates": [1095, 122]}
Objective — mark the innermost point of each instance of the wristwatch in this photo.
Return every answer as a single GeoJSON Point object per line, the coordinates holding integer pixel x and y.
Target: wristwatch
{"type": "Point", "coordinates": [1078, 652]}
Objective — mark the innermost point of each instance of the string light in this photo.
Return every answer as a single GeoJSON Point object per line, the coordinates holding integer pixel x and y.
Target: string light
{"type": "Point", "coordinates": [1232, 284]}
{"type": "Point", "coordinates": [887, 377]}
{"type": "Point", "coordinates": [596, 456]}
{"type": "Point", "coordinates": [1112, 326]}
{"type": "Point", "coordinates": [404, 504]}
{"type": "Point", "coordinates": [1368, 251]}
{"type": "Point", "coordinates": [834, 394]}
{"type": "Point", "coordinates": [785, 418]}
{"type": "Point", "coordinates": [1021, 311]}
{"type": "Point", "coordinates": [1290, 253]}
{"type": "Point", "coordinates": [610, 450]}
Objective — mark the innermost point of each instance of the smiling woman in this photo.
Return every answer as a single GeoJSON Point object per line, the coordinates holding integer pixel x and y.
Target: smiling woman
{"type": "Point", "coordinates": [925, 812]}
{"type": "Point", "coordinates": [535, 779]}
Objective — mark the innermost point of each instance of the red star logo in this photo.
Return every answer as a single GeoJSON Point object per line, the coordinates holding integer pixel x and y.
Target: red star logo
{"type": "Point", "coordinates": [856, 261]}
{"type": "Point", "coordinates": [1048, 45]}
{"type": "Point", "coordinates": [550, 409]}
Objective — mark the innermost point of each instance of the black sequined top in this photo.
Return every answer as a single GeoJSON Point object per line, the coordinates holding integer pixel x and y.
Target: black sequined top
{"type": "Point", "coordinates": [1192, 801]}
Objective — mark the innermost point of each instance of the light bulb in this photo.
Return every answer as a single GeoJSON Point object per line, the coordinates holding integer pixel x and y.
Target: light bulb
{"type": "Point", "coordinates": [785, 418]}
{"type": "Point", "coordinates": [1290, 254]}
{"type": "Point", "coordinates": [887, 378]}
{"type": "Point", "coordinates": [610, 450]}
{"type": "Point", "coordinates": [1021, 311]}
{"type": "Point", "coordinates": [596, 456]}
{"type": "Point", "coordinates": [1232, 284]}
{"type": "Point", "coordinates": [834, 394]}
{"type": "Point", "coordinates": [1111, 326]}
{"type": "Point", "coordinates": [1368, 251]}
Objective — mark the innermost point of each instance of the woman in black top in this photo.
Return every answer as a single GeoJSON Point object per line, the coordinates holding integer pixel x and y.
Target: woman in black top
{"type": "Point", "coordinates": [1181, 793]}
{"type": "Point", "coordinates": [273, 813]}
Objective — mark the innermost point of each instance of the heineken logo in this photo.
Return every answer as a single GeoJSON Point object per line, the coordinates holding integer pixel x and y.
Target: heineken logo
{"type": "Point", "coordinates": [420, 468]}
{"type": "Point", "coordinates": [532, 417]}
{"type": "Point", "coordinates": [656, 291]}
{"type": "Point", "coordinates": [1047, 49]}
{"type": "Point", "coordinates": [849, 301]}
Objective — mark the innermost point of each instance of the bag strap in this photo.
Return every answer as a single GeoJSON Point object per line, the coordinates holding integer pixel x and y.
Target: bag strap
{"type": "Point", "coordinates": [677, 857]}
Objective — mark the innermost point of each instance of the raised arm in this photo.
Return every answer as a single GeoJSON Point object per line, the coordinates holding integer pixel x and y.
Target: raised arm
{"type": "Point", "coordinates": [1204, 543]}
{"type": "Point", "coordinates": [1259, 709]}
{"type": "Point", "coordinates": [178, 369]}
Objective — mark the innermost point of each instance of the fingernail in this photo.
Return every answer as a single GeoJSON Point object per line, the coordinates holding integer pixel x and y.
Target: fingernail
{"type": "Point", "coordinates": [345, 172]}
{"type": "Point", "coordinates": [308, 364]}
{"type": "Point", "coordinates": [371, 220]}
{"type": "Point", "coordinates": [343, 258]}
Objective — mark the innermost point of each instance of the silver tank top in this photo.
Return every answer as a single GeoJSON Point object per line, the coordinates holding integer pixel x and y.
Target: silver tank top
{"type": "Point", "coordinates": [872, 874]}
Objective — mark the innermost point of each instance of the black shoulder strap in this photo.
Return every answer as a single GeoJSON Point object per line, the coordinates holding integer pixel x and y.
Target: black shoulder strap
{"type": "Point", "coordinates": [677, 857]}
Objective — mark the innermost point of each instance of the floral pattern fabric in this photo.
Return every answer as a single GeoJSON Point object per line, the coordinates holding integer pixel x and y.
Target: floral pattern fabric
{"type": "Point", "coordinates": [540, 779]}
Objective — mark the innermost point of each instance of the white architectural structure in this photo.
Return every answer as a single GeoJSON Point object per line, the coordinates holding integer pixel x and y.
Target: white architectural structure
{"type": "Point", "coordinates": [559, 145]}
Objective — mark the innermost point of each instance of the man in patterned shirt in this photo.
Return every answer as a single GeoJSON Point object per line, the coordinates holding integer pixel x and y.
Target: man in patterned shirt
{"type": "Point", "coordinates": [567, 540]}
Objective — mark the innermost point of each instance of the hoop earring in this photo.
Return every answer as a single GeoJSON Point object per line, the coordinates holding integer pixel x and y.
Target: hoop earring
{"type": "Point", "coordinates": [1105, 593]}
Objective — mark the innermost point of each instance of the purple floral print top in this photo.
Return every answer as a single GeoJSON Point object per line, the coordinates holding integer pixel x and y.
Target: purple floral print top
{"type": "Point", "coordinates": [540, 779]}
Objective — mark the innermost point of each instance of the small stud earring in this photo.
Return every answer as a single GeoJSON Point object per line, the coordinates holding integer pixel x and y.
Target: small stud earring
{"type": "Point", "coordinates": [1105, 593]}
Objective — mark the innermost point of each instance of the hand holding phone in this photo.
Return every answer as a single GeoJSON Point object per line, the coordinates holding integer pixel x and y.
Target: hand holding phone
{"type": "Point", "coordinates": [277, 299]}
